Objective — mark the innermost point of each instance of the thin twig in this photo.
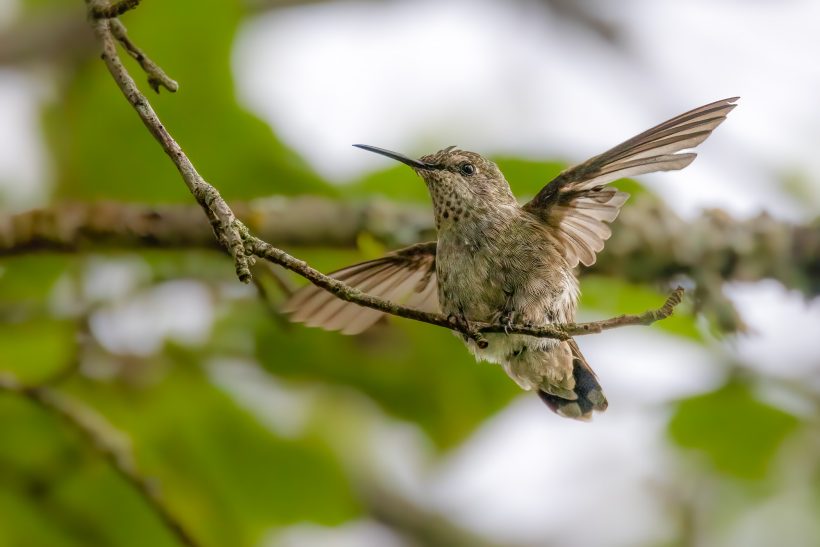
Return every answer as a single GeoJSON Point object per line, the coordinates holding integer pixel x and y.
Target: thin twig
{"type": "Point", "coordinates": [156, 76]}
{"type": "Point", "coordinates": [417, 522]}
{"type": "Point", "coordinates": [107, 441]}
{"type": "Point", "coordinates": [645, 318]}
{"type": "Point", "coordinates": [235, 237]}
{"type": "Point", "coordinates": [226, 226]}
{"type": "Point", "coordinates": [349, 294]}
{"type": "Point", "coordinates": [109, 11]}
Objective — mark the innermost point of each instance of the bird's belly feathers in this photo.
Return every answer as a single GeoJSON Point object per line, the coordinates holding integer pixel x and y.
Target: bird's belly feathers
{"type": "Point", "coordinates": [522, 281]}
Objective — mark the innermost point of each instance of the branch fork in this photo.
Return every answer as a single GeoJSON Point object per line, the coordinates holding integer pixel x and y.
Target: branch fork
{"type": "Point", "coordinates": [109, 31]}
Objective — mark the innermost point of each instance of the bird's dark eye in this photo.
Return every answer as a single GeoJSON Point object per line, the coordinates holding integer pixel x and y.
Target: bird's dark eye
{"type": "Point", "coordinates": [467, 169]}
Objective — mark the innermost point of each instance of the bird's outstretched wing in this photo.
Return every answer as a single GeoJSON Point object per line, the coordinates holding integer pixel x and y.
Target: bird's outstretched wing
{"type": "Point", "coordinates": [406, 276]}
{"type": "Point", "coordinates": [577, 204]}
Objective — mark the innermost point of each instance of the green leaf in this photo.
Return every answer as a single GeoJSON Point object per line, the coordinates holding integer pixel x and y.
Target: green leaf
{"type": "Point", "coordinates": [29, 278]}
{"type": "Point", "coordinates": [737, 432]}
{"type": "Point", "coordinates": [32, 442]}
{"type": "Point", "coordinates": [32, 520]}
{"type": "Point", "coordinates": [35, 349]}
{"type": "Point", "coordinates": [37, 452]}
{"type": "Point", "coordinates": [34, 345]}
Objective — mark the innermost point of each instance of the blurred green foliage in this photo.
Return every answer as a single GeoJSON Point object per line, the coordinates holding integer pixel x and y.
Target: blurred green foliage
{"type": "Point", "coordinates": [100, 152]}
{"type": "Point", "coordinates": [225, 476]}
{"type": "Point", "coordinates": [228, 476]}
{"type": "Point", "coordinates": [736, 431]}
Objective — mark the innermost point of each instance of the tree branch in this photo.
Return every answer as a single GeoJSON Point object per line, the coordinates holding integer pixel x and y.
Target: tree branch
{"type": "Point", "coordinates": [107, 441]}
{"type": "Point", "coordinates": [651, 243]}
{"type": "Point", "coordinates": [418, 523]}
{"type": "Point", "coordinates": [156, 76]}
{"type": "Point", "coordinates": [304, 221]}
{"type": "Point", "coordinates": [645, 318]}
{"type": "Point", "coordinates": [235, 236]}
{"type": "Point", "coordinates": [474, 328]}
{"type": "Point", "coordinates": [100, 10]}
{"type": "Point", "coordinates": [58, 36]}
{"type": "Point", "coordinates": [226, 226]}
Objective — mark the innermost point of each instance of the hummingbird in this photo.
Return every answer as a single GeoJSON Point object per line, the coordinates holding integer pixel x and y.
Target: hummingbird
{"type": "Point", "coordinates": [497, 261]}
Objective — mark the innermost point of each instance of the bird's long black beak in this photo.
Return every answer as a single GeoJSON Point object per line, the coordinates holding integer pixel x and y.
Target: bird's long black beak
{"type": "Point", "coordinates": [415, 164]}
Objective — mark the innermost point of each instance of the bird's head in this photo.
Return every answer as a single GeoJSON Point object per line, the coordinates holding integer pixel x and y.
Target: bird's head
{"type": "Point", "coordinates": [460, 182]}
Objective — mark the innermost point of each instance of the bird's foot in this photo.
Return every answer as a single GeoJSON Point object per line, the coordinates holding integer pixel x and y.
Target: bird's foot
{"type": "Point", "coordinates": [468, 332]}
{"type": "Point", "coordinates": [509, 318]}
{"type": "Point", "coordinates": [506, 319]}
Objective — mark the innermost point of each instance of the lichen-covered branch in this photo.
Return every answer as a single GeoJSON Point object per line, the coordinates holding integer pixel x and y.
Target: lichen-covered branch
{"type": "Point", "coordinates": [645, 318]}
{"type": "Point", "coordinates": [474, 328]}
{"type": "Point", "coordinates": [101, 10]}
{"type": "Point", "coordinates": [225, 225]}
{"type": "Point", "coordinates": [305, 221]}
{"type": "Point", "coordinates": [650, 243]}
{"type": "Point", "coordinates": [106, 440]}
{"type": "Point", "coordinates": [156, 76]}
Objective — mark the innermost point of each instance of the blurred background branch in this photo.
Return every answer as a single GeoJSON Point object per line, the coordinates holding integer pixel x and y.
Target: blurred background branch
{"type": "Point", "coordinates": [101, 437]}
{"type": "Point", "coordinates": [651, 244]}
{"type": "Point", "coordinates": [420, 525]}
{"type": "Point", "coordinates": [58, 36]}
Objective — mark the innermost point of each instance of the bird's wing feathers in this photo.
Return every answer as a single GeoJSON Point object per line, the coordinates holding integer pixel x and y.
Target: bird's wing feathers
{"type": "Point", "coordinates": [577, 204]}
{"type": "Point", "coordinates": [407, 276]}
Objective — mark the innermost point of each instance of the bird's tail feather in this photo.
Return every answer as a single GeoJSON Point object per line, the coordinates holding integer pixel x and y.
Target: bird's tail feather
{"type": "Point", "coordinates": [589, 395]}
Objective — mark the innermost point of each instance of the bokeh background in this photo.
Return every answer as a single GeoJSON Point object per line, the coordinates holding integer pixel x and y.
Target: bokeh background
{"type": "Point", "coordinates": [261, 433]}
